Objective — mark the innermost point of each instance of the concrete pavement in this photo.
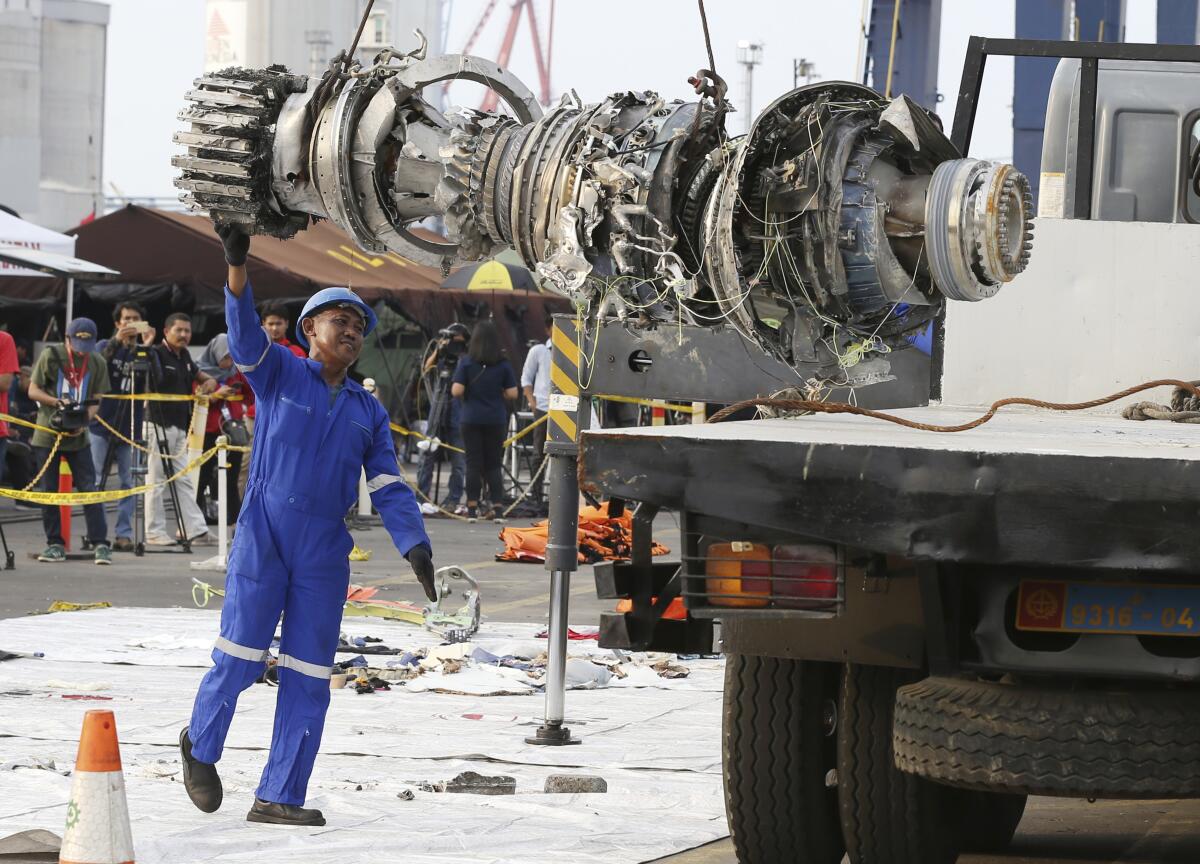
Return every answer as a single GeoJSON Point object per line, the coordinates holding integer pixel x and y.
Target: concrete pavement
{"type": "Point", "coordinates": [510, 592]}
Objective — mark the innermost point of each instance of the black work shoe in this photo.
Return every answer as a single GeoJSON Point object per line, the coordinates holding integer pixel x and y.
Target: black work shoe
{"type": "Point", "coordinates": [283, 814]}
{"type": "Point", "coordinates": [199, 778]}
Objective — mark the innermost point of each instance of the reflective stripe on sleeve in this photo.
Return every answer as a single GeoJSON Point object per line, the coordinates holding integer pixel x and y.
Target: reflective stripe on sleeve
{"type": "Point", "coordinates": [378, 482]}
{"type": "Point", "coordinates": [313, 670]}
{"type": "Point", "coordinates": [250, 367]}
{"type": "Point", "coordinates": [254, 655]}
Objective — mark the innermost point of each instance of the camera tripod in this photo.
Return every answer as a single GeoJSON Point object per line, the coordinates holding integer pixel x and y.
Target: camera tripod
{"type": "Point", "coordinates": [9, 557]}
{"type": "Point", "coordinates": [137, 370]}
{"type": "Point", "coordinates": [436, 427]}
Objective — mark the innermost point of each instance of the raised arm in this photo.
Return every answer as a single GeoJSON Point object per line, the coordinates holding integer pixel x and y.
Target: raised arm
{"type": "Point", "coordinates": [237, 247]}
{"type": "Point", "coordinates": [249, 344]}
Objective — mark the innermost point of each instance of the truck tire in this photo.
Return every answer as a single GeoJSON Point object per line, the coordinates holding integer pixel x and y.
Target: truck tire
{"type": "Point", "coordinates": [1042, 741]}
{"type": "Point", "coordinates": [888, 817]}
{"type": "Point", "coordinates": [776, 753]}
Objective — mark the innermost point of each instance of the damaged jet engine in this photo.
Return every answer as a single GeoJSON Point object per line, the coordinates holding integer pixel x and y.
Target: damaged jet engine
{"type": "Point", "coordinates": [831, 232]}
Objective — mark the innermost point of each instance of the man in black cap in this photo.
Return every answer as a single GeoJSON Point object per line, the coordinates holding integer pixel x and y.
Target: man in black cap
{"type": "Point", "coordinates": [65, 378]}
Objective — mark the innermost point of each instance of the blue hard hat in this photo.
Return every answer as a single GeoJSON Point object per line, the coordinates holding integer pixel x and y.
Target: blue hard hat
{"type": "Point", "coordinates": [327, 297]}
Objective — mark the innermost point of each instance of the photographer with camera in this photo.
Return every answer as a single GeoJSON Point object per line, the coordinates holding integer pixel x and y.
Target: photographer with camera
{"type": "Point", "coordinates": [66, 382]}
{"type": "Point", "coordinates": [174, 371]}
{"type": "Point", "coordinates": [444, 418]}
{"type": "Point", "coordinates": [120, 353]}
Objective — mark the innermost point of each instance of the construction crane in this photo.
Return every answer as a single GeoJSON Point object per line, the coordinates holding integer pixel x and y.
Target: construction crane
{"type": "Point", "coordinates": [541, 56]}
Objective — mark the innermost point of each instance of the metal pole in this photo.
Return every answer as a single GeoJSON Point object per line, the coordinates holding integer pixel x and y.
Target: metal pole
{"type": "Point", "coordinates": [364, 496]}
{"type": "Point", "coordinates": [567, 416]}
{"type": "Point", "coordinates": [222, 500]}
{"type": "Point", "coordinates": [514, 453]}
{"type": "Point", "coordinates": [70, 300]}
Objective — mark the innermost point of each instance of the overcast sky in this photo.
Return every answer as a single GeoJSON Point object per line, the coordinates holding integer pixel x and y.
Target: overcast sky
{"type": "Point", "coordinates": [156, 49]}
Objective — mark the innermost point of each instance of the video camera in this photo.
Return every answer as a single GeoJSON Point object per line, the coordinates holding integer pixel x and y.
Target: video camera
{"type": "Point", "coordinates": [70, 417]}
{"type": "Point", "coordinates": [450, 349]}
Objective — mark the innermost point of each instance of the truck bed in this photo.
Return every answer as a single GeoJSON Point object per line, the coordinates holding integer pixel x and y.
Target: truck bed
{"type": "Point", "coordinates": [1029, 487]}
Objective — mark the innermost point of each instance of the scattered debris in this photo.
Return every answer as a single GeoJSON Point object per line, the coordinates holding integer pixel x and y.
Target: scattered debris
{"type": "Point", "coordinates": [582, 634]}
{"type": "Point", "coordinates": [18, 655]}
{"type": "Point", "coordinates": [461, 625]}
{"type": "Point", "coordinates": [83, 686]}
{"type": "Point", "coordinates": [405, 795]}
{"type": "Point", "coordinates": [570, 784]}
{"type": "Point", "coordinates": [586, 675]}
{"type": "Point", "coordinates": [35, 763]}
{"type": "Point", "coordinates": [360, 554]}
{"type": "Point", "coordinates": [469, 782]}
{"type": "Point", "coordinates": [64, 606]}
{"type": "Point", "coordinates": [667, 669]}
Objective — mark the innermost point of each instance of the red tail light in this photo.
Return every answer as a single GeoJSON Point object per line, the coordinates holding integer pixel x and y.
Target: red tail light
{"type": "Point", "coordinates": [795, 576]}
{"type": "Point", "coordinates": [804, 574]}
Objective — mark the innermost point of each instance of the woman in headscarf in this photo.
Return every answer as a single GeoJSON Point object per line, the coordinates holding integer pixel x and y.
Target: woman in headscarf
{"type": "Point", "coordinates": [217, 362]}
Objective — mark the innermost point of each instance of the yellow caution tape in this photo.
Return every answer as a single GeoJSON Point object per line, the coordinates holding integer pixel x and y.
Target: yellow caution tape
{"type": "Point", "coordinates": [101, 497]}
{"type": "Point", "coordinates": [64, 606]}
{"type": "Point", "coordinates": [536, 423]}
{"type": "Point", "coordinates": [8, 418]}
{"type": "Point", "coordinates": [397, 428]}
{"type": "Point", "coordinates": [166, 397]}
{"type": "Point", "coordinates": [202, 592]}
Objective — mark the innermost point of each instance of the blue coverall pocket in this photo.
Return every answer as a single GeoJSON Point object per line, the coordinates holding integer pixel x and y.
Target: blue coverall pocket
{"type": "Point", "coordinates": [292, 423]}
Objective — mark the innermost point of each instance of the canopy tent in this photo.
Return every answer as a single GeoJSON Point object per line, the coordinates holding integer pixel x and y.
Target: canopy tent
{"type": "Point", "coordinates": [179, 255]}
{"type": "Point", "coordinates": [18, 233]}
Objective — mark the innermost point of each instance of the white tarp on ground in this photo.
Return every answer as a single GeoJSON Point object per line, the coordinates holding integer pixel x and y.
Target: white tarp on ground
{"type": "Point", "coordinates": [656, 742]}
{"type": "Point", "coordinates": [18, 232]}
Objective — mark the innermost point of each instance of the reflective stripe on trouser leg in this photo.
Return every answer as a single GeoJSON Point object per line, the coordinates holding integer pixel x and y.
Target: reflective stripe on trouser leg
{"type": "Point", "coordinates": [312, 618]}
{"type": "Point", "coordinates": [241, 652]}
{"type": "Point", "coordinates": [248, 618]}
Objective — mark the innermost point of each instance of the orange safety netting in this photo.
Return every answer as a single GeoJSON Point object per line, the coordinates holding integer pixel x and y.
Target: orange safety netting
{"type": "Point", "coordinates": [601, 538]}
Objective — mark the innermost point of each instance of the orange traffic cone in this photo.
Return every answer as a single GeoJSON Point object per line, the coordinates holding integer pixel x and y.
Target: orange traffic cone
{"type": "Point", "coordinates": [98, 829]}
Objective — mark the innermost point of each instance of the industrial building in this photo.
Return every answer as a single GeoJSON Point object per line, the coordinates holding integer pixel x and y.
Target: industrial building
{"type": "Point", "coordinates": [52, 69]}
{"type": "Point", "coordinates": [304, 34]}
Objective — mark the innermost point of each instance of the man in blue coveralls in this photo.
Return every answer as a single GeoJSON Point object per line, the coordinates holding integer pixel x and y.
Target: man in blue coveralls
{"type": "Point", "coordinates": [315, 430]}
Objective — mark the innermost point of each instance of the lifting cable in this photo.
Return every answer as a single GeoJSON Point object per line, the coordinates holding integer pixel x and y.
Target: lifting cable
{"type": "Point", "coordinates": [816, 407]}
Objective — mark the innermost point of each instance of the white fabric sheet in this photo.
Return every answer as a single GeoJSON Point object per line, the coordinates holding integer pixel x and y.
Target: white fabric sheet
{"type": "Point", "coordinates": [656, 742]}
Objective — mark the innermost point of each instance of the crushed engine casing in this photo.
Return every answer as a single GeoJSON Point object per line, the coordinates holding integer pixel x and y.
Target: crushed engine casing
{"type": "Point", "coordinates": [829, 234]}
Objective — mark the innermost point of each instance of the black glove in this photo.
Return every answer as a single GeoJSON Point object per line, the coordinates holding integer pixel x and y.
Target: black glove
{"type": "Point", "coordinates": [421, 560]}
{"type": "Point", "coordinates": [236, 243]}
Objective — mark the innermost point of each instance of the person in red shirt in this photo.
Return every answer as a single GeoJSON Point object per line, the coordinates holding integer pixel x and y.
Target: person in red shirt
{"type": "Point", "coordinates": [275, 322]}
{"type": "Point", "coordinates": [9, 366]}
